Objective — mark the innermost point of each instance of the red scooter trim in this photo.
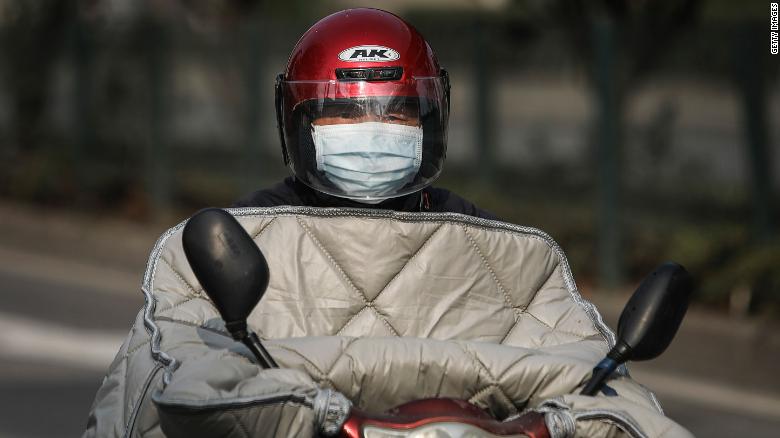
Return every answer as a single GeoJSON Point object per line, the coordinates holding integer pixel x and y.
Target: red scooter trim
{"type": "Point", "coordinates": [443, 410]}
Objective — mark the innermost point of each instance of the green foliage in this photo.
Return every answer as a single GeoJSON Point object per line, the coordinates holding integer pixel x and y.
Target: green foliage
{"type": "Point", "coordinates": [729, 10]}
{"type": "Point", "coordinates": [754, 267]}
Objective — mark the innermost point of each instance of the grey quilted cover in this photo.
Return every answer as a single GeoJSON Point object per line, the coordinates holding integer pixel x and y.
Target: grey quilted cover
{"type": "Point", "coordinates": [370, 308]}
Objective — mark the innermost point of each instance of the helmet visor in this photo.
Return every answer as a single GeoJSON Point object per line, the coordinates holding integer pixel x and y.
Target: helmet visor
{"type": "Point", "coordinates": [364, 140]}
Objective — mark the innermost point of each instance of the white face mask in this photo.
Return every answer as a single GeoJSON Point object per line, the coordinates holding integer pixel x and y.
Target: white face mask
{"type": "Point", "coordinates": [371, 159]}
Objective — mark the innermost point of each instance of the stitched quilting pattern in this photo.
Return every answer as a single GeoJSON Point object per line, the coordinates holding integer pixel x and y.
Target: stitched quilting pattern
{"type": "Point", "coordinates": [487, 311]}
{"type": "Point", "coordinates": [379, 277]}
{"type": "Point", "coordinates": [344, 287]}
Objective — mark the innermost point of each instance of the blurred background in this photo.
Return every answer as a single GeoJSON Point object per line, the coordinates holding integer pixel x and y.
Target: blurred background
{"type": "Point", "coordinates": [631, 131]}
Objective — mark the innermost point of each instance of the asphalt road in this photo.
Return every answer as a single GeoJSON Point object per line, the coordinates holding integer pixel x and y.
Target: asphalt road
{"type": "Point", "coordinates": [60, 333]}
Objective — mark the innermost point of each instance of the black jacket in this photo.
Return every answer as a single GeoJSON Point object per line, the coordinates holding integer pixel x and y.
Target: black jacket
{"type": "Point", "coordinates": [295, 193]}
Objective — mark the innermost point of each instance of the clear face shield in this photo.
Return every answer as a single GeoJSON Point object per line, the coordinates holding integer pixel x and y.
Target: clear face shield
{"type": "Point", "coordinates": [367, 141]}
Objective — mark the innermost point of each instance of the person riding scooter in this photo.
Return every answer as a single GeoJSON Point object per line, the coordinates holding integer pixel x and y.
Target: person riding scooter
{"type": "Point", "coordinates": [369, 322]}
{"type": "Point", "coordinates": [362, 109]}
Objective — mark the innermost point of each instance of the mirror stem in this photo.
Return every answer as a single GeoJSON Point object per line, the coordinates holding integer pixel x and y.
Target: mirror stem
{"type": "Point", "coordinates": [240, 332]}
{"type": "Point", "coordinates": [263, 357]}
{"type": "Point", "coordinates": [600, 374]}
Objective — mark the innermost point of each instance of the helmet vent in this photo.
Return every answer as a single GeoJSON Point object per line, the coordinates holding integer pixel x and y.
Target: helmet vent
{"type": "Point", "coordinates": [370, 74]}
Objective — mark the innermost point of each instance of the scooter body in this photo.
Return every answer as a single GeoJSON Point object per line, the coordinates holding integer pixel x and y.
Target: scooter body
{"type": "Point", "coordinates": [441, 417]}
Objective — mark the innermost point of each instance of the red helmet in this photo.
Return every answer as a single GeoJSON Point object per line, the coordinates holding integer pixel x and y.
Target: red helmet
{"type": "Point", "coordinates": [362, 107]}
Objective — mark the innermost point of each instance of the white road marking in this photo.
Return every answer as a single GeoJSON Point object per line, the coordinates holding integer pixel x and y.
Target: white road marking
{"type": "Point", "coordinates": [70, 272]}
{"type": "Point", "coordinates": [709, 393]}
{"type": "Point", "coordinates": [33, 340]}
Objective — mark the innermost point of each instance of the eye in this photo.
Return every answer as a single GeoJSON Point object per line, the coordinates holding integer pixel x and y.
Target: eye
{"type": "Point", "coordinates": [396, 117]}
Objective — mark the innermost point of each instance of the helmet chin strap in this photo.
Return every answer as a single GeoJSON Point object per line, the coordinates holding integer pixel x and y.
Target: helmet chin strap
{"type": "Point", "coordinates": [369, 201]}
{"type": "Point", "coordinates": [418, 201]}
{"type": "Point", "coordinates": [424, 203]}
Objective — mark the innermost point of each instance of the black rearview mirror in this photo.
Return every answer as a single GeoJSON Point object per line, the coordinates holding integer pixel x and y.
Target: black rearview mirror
{"type": "Point", "coordinates": [648, 322]}
{"type": "Point", "coordinates": [231, 269]}
{"type": "Point", "coordinates": [654, 313]}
